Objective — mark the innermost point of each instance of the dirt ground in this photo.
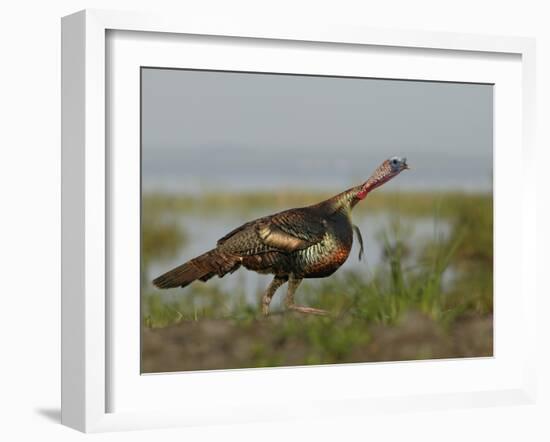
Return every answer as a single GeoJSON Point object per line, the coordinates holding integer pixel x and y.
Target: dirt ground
{"type": "Point", "coordinates": [223, 344]}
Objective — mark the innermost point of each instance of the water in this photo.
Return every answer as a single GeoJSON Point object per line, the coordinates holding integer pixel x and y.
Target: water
{"type": "Point", "coordinates": [204, 231]}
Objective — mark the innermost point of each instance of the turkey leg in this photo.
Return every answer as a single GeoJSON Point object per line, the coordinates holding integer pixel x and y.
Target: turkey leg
{"type": "Point", "coordinates": [293, 284]}
{"type": "Point", "coordinates": [277, 282]}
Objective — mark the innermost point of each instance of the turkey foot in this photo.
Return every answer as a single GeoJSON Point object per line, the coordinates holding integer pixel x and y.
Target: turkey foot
{"type": "Point", "coordinates": [304, 309]}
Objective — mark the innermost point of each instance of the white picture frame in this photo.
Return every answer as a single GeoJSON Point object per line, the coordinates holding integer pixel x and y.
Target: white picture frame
{"type": "Point", "coordinates": [87, 205]}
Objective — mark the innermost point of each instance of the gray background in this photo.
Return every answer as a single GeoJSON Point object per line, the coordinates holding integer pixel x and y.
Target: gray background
{"type": "Point", "coordinates": [202, 131]}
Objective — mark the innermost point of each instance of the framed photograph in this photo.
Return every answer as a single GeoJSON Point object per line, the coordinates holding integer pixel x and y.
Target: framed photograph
{"type": "Point", "coordinates": [276, 222]}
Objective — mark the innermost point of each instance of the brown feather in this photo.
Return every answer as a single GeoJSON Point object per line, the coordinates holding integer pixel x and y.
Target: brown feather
{"type": "Point", "coordinates": [202, 267]}
{"type": "Point", "coordinates": [274, 237]}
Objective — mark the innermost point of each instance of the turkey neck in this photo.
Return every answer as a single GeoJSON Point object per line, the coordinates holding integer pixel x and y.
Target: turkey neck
{"type": "Point", "coordinates": [345, 201]}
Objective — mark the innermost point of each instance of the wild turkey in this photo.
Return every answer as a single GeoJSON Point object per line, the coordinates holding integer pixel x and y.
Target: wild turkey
{"type": "Point", "coordinates": [306, 242]}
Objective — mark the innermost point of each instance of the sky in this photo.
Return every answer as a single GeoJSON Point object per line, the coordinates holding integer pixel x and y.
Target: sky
{"type": "Point", "coordinates": [206, 130]}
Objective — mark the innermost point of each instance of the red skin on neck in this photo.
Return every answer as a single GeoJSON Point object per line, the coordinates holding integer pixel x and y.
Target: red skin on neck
{"type": "Point", "coordinates": [373, 184]}
{"type": "Point", "coordinates": [363, 193]}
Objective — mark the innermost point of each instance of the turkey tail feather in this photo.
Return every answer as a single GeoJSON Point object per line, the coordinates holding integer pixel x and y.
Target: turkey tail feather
{"type": "Point", "coordinates": [202, 267]}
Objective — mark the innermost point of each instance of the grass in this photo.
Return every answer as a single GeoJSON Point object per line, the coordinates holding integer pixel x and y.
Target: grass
{"type": "Point", "coordinates": [410, 203]}
{"type": "Point", "coordinates": [440, 292]}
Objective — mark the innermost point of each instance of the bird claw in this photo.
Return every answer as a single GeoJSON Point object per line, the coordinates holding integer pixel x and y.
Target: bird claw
{"type": "Point", "coordinates": [310, 310]}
